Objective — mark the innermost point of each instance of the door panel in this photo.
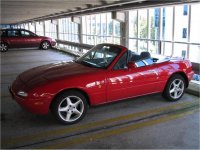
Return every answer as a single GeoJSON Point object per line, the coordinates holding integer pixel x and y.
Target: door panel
{"type": "Point", "coordinates": [147, 80]}
{"type": "Point", "coordinates": [118, 84]}
{"type": "Point", "coordinates": [129, 83]}
{"type": "Point", "coordinates": [30, 40]}
{"type": "Point", "coordinates": [14, 39]}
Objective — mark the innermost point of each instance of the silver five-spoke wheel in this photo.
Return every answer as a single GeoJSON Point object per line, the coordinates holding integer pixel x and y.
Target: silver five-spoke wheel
{"type": "Point", "coordinates": [175, 87]}
{"type": "Point", "coordinates": [3, 47]}
{"type": "Point", "coordinates": [45, 45]}
{"type": "Point", "coordinates": [71, 108]}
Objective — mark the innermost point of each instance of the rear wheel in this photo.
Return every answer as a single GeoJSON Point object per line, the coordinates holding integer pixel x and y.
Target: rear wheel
{"type": "Point", "coordinates": [175, 88]}
{"type": "Point", "coordinates": [45, 45]}
{"type": "Point", "coordinates": [69, 107]}
{"type": "Point", "coordinates": [4, 47]}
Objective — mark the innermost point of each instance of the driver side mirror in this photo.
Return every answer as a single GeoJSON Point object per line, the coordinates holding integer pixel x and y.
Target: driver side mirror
{"type": "Point", "coordinates": [131, 65]}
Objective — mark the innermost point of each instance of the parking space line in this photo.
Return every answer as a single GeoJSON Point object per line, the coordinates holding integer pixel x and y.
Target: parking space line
{"type": "Point", "coordinates": [17, 73]}
{"type": "Point", "coordinates": [5, 96]}
{"type": "Point", "coordinates": [120, 130]}
{"type": "Point", "coordinates": [59, 132]}
{"type": "Point", "coordinates": [11, 74]}
{"type": "Point", "coordinates": [22, 55]}
{"type": "Point", "coordinates": [29, 62]}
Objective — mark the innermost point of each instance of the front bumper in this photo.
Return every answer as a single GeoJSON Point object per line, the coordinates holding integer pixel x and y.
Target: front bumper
{"type": "Point", "coordinates": [33, 105]}
{"type": "Point", "coordinates": [53, 43]}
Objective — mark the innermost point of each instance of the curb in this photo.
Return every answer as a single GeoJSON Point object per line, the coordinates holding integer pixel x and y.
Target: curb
{"type": "Point", "coordinates": [192, 92]}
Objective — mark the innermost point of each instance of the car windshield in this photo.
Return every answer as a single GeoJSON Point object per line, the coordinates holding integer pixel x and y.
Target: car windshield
{"type": "Point", "coordinates": [100, 56]}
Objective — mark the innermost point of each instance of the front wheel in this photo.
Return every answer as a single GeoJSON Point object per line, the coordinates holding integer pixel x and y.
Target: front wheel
{"type": "Point", "coordinates": [3, 47]}
{"type": "Point", "coordinates": [45, 45]}
{"type": "Point", "coordinates": [69, 107]}
{"type": "Point", "coordinates": [175, 88]}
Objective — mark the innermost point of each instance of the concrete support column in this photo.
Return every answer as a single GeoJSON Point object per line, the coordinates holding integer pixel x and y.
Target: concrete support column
{"type": "Point", "coordinates": [173, 30]}
{"type": "Point", "coordinates": [57, 29]}
{"type": "Point", "coordinates": [43, 23]}
{"type": "Point", "coordinates": [122, 33]}
{"type": "Point", "coordinates": [121, 17]}
{"type": "Point", "coordinates": [189, 30]}
{"type": "Point", "coordinates": [35, 27]}
{"type": "Point", "coordinates": [126, 29]}
{"type": "Point", "coordinates": [80, 32]}
{"type": "Point", "coordinates": [78, 20]}
{"type": "Point", "coordinates": [29, 26]}
{"type": "Point", "coordinates": [161, 33]}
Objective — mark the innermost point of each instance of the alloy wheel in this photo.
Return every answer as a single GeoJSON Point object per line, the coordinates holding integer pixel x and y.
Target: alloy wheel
{"type": "Point", "coordinates": [71, 108]}
{"type": "Point", "coordinates": [3, 47]}
{"type": "Point", "coordinates": [176, 88]}
{"type": "Point", "coordinates": [45, 45]}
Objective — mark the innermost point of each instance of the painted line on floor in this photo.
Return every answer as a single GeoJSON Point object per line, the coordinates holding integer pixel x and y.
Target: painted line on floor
{"type": "Point", "coordinates": [91, 131]}
{"type": "Point", "coordinates": [2, 83]}
{"type": "Point", "coordinates": [10, 74]}
{"type": "Point", "coordinates": [112, 132]}
{"type": "Point", "coordinates": [29, 62]}
{"type": "Point", "coordinates": [68, 129]}
{"type": "Point", "coordinates": [5, 96]}
{"type": "Point", "coordinates": [22, 56]}
{"type": "Point", "coordinates": [29, 52]}
{"type": "Point", "coordinates": [26, 54]}
{"type": "Point", "coordinates": [17, 73]}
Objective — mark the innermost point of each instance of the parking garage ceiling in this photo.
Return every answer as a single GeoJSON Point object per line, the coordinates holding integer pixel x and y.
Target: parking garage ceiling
{"type": "Point", "coordinates": [19, 11]}
{"type": "Point", "coordinates": [13, 11]}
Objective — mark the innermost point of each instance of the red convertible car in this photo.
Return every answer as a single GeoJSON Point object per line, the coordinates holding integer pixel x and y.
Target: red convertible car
{"type": "Point", "coordinates": [107, 73]}
{"type": "Point", "coordinates": [21, 38]}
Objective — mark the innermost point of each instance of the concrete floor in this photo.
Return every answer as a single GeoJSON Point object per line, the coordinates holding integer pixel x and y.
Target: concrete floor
{"type": "Point", "coordinates": [144, 122]}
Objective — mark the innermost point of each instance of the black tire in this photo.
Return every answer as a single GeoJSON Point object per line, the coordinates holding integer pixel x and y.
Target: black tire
{"type": "Point", "coordinates": [61, 109]}
{"type": "Point", "coordinates": [45, 45]}
{"type": "Point", "coordinates": [175, 88]}
{"type": "Point", "coordinates": [4, 47]}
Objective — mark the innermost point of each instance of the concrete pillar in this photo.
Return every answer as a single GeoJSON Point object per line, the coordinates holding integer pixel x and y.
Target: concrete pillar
{"type": "Point", "coordinates": [78, 20]}
{"type": "Point", "coordinates": [57, 29]}
{"type": "Point", "coordinates": [80, 32]}
{"type": "Point", "coordinates": [29, 26]}
{"type": "Point", "coordinates": [43, 23]}
{"type": "Point", "coordinates": [122, 17]}
{"type": "Point", "coordinates": [35, 27]}
{"type": "Point", "coordinates": [126, 29]}
{"type": "Point", "coordinates": [122, 33]}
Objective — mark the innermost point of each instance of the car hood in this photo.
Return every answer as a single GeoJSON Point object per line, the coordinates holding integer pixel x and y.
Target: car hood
{"type": "Point", "coordinates": [53, 71]}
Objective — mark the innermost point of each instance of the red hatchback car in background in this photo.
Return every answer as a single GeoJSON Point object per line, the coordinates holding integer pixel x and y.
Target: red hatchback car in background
{"type": "Point", "coordinates": [21, 38]}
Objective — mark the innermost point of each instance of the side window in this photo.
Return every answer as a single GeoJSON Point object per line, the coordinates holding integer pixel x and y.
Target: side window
{"type": "Point", "coordinates": [3, 33]}
{"type": "Point", "coordinates": [13, 33]}
{"type": "Point", "coordinates": [25, 33]}
{"type": "Point", "coordinates": [122, 62]}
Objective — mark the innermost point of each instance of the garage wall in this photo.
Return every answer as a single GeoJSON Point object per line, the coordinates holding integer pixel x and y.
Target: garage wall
{"type": "Point", "coordinates": [157, 30]}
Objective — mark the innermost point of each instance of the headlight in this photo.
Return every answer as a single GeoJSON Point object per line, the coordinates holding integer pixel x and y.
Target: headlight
{"type": "Point", "coordinates": [22, 93]}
